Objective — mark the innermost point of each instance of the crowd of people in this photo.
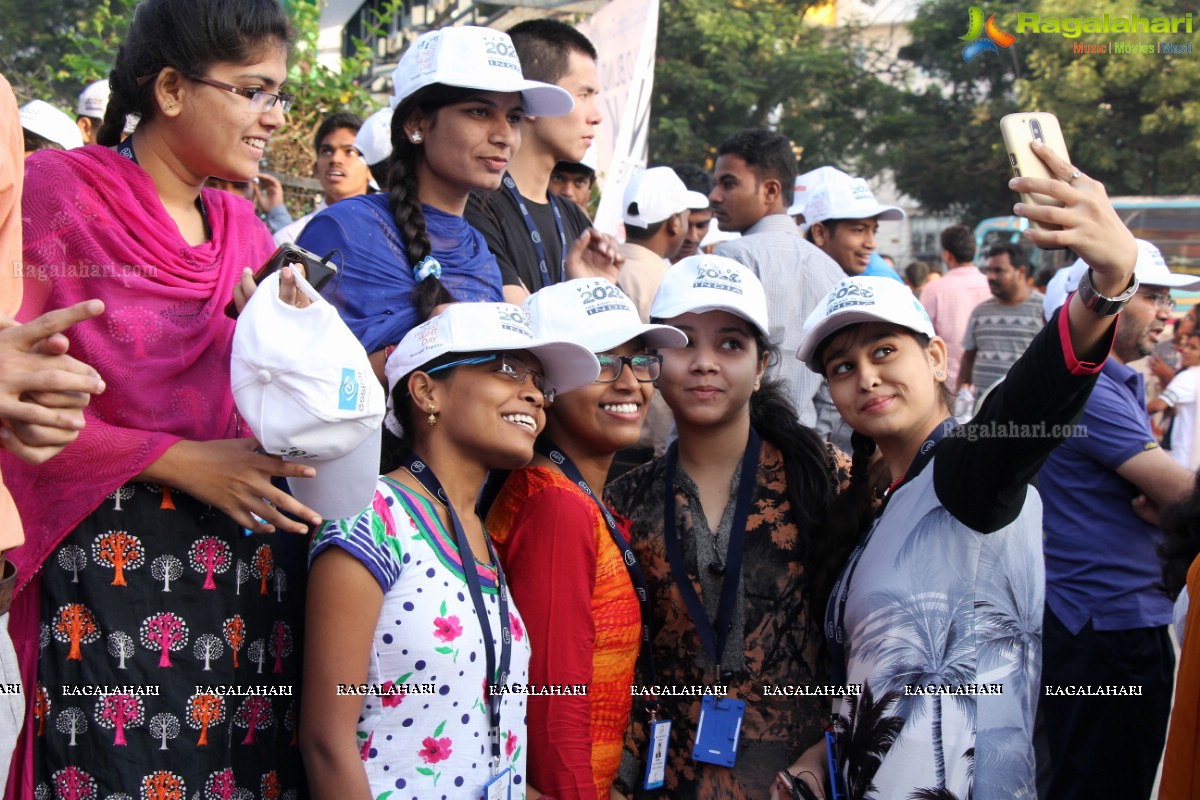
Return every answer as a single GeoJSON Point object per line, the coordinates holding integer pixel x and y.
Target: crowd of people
{"type": "Point", "coordinates": [757, 518]}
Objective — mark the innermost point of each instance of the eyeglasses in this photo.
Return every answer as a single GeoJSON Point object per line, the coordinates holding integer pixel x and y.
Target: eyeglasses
{"type": "Point", "coordinates": [1161, 300]}
{"type": "Point", "coordinates": [644, 368]}
{"type": "Point", "coordinates": [510, 366]}
{"type": "Point", "coordinates": [260, 101]}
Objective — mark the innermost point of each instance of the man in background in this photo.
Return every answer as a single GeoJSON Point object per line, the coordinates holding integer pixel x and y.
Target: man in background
{"type": "Point", "coordinates": [755, 174]}
{"type": "Point", "coordinates": [696, 179]}
{"type": "Point", "coordinates": [1001, 327]}
{"type": "Point", "coordinates": [339, 167]}
{"type": "Point", "coordinates": [951, 299]}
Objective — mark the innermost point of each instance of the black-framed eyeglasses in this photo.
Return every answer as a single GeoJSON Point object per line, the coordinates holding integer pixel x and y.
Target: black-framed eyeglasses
{"type": "Point", "coordinates": [510, 366]}
{"type": "Point", "coordinates": [260, 101]}
{"type": "Point", "coordinates": [645, 368]}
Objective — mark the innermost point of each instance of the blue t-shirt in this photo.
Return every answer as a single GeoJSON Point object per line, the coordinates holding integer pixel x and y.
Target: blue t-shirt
{"type": "Point", "coordinates": [1101, 558]}
{"type": "Point", "coordinates": [374, 286]}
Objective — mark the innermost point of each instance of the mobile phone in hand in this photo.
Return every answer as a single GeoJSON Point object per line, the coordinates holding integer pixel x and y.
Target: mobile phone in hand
{"type": "Point", "coordinates": [1019, 131]}
{"type": "Point", "coordinates": [317, 271]}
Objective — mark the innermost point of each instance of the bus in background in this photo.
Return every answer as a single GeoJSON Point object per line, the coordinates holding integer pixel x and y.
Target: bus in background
{"type": "Point", "coordinates": [1171, 223]}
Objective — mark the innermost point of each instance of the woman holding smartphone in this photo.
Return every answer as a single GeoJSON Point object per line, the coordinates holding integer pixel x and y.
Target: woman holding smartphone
{"type": "Point", "coordinates": [459, 100]}
{"type": "Point", "coordinates": [937, 614]}
{"type": "Point", "coordinates": [733, 531]}
{"type": "Point", "coordinates": [391, 608]}
{"type": "Point", "coordinates": [561, 549]}
{"type": "Point", "coordinates": [136, 568]}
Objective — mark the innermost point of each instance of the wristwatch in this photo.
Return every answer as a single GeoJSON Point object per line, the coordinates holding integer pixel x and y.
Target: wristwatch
{"type": "Point", "coordinates": [1100, 304]}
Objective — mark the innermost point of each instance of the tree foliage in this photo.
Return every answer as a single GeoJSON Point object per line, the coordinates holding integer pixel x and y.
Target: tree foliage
{"type": "Point", "coordinates": [726, 66]}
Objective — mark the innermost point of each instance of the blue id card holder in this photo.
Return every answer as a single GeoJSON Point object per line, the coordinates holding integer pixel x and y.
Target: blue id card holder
{"type": "Point", "coordinates": [499, 787]}
{"type": "Point", "coordinates": [718, 731]}
{"type": "Point", "coordinates": [656, 763]}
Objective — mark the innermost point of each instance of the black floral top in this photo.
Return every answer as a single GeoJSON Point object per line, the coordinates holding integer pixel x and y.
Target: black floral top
{"type": "Point", "coordinates": [784, 643]}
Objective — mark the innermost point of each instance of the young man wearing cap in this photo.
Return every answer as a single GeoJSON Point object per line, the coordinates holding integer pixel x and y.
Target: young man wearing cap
{"type": "Point", "coordinates": [1106, 617]}
{"type": "Point", "coordinates": [843, 217]}
{"type": "Point", "coordinates": [655, 210]}
{"type": "Point", "coordinates": [339, 167]}
{"type": "Point", "coordinates": [574, 180]}
{"type": "Point", "coordinates": [45, 127]}
{"type": "Point", "coordinates": [90, 112]}
{"type": "Point", "coordinates": [1000, 328]}
{"type": "Point", "coordinates": [696, 179]}
{"type": "Point", "coordinates": [537, 239]}
{"type": "Point", "coordinates": [755, 174]}
{"type": "Point", "coordinates": [951, 300]}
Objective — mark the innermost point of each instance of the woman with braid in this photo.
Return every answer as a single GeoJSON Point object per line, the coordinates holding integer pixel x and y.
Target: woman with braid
{"type": "Point", "coordinates": [459, 100]}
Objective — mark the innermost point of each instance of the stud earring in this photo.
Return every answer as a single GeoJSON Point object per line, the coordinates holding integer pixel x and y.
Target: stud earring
{"type": "Point", "coordinates": [416, 137]}
{"type": "Point", "coordinates": [170, 106]}
{"type": "Point", "coordinates": [938, 374]}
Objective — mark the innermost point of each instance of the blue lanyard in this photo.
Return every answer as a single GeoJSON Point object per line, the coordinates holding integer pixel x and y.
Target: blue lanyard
{"type": "Point", "coordinates": [636, 576]}
{"type": "Point", "coordinates": [714, 640]}
{"type": "Point", "coordinates": [536, 236]}
{"type": "Point", "coordinates": [422, 472]}
{"type": "Point", "coordinates": [835, 611]}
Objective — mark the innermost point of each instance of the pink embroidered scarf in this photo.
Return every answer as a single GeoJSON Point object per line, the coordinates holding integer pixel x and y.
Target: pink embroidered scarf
{"type": "Point", "coordinates": [94, 228]}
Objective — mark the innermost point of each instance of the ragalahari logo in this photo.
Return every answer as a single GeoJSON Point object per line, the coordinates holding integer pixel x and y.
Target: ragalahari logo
{"type": "Point", "coordinates": [978, 28]}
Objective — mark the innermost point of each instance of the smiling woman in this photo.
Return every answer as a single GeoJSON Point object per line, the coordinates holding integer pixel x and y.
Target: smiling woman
{"type": "Point", "coordinates": [585, 622]}
{"type": "Point", "coordinates": [460, 101]}
{"type": "Point", "coordinates": [389, 601]}
{"type": "Point", "coordinates": [164, 442]}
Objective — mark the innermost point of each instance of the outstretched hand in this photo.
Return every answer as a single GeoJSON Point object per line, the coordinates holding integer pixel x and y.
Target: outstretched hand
{"type": "Point", "coordinates": [1090, 225]}
{"type": "Point", "coordinates": [43, 391]}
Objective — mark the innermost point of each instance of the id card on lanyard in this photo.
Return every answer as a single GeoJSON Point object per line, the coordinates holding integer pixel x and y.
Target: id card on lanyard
{"type": "Point", "coordinates": [536, 236]}
{"type": "Point", "coordinates": [719, 727]}
{"type": "Point", "coordinates": [497, 675]}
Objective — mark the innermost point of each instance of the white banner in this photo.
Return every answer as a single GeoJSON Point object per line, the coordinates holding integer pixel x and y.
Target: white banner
{"type": "Point", "coordinates": [625, 34]}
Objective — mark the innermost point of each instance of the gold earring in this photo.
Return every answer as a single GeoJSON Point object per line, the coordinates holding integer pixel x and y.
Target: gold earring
{"type": "Point", "coordinates": [432, 416]}
{"type": "Point", "coordinates": [170, 106]}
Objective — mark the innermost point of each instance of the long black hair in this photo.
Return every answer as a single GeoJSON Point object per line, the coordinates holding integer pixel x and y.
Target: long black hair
{"type": "Point", "coordinates": [402, 187]}
{"type": "Point", "coordinates": [824, 539]}
{"type": "Point", "coordinates": [191, 36]}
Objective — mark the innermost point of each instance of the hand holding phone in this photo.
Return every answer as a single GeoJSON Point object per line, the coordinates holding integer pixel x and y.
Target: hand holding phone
{"type": "Point", "coordinates": [1019, 131]}
{"type": "Point", "coordinates": [317, 271]}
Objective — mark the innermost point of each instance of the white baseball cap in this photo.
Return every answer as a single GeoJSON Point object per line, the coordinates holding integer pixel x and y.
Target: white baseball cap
{"type": "Point", "coordinates": [594, 313]}
{"type": "Point", "coordinates": [38, 116]}
{"type": "Point", "coordinates": [809, 181]}
{"type": "Point", "coordinates": [711, 283]}
{"type": "Point", "coordinates": [658, 194]}
{"type": "Point", "coordinates": [1151, 270]}
{"type": "Point", "coordinates": [304, 384]}
{"type": "Point", "coordinates": [474, 58]}
{"type": "Point", "coordinates": [844, 197]}
{"type": "Point", "coordinates": [374, 137]}
{"type": "Point", "coordinates": [489, 328]}
{"type": "Point", "coordinates": [862, 298]}
{"type": "Point", "coordinates": [93, 100]}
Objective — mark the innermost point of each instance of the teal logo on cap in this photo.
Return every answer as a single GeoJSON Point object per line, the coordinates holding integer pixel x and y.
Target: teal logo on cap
{"type": "Point", "coordinates": [348, 392]}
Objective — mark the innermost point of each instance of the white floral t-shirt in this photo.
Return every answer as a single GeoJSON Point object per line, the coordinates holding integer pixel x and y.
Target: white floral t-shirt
{"type": "Point", "coordinates": [423, 732]}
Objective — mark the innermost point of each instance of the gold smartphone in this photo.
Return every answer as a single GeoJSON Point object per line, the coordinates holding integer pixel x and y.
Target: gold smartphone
{"type": "Point", "coordinates": [1019, 130]}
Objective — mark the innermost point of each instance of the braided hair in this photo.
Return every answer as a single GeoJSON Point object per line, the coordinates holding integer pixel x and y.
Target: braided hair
{"type": "Point", "coordinates": [191, 36]}
{"type": "Point", "coordinates": [402, 187]}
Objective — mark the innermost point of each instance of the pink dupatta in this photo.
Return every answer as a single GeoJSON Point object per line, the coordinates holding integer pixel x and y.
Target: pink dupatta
{"type": "Point", "coordinates": [95, 228]}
